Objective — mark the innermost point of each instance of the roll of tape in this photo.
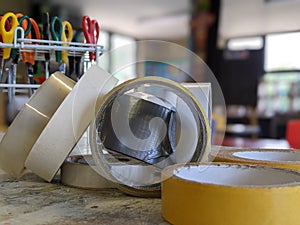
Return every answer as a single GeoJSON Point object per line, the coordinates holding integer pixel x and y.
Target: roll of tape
{"type": "Point", "coordinates": [68, 123]}
{"type": "Point", "coordinates": [30, 122]}
{"type": "Point", "coordinates": [230, 194]}
{"type": "Point", "coordinates": [77, 172]}
{"type": "Point", "coordinates": [145, 175]}
{"type": "Point", "coordinates": [270, 157]}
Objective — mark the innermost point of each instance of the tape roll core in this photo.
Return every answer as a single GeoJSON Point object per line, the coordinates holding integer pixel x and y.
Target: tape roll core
{"type": "Point", "coordinates": [284, 158]}
{"type": "Point", "coordinates": [76, 172]}
{"type": "Point", "coordinates": [230, 194]}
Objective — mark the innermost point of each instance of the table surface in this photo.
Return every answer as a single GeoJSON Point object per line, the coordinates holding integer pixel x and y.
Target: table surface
{"type": "Point", "coordinates": [30, 200]}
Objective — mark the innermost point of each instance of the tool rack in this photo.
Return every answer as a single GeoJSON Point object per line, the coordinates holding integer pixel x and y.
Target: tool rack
{"type": "Point", "coordinates": [48, 46]}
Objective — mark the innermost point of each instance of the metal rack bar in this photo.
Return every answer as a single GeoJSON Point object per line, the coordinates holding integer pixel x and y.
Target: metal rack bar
{"type": "Point", "coordinates": [45, 46]}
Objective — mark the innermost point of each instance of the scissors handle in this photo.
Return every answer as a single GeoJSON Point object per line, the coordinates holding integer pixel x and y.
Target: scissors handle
{"type": "Point", "coordinates": [56, 34]}
{"type": "Point", "coordinates": [28, 57]}
{"type": "Point", "coordinates": [7, 27]}
{"type": "Point", "coordinates": [8, 35]}
{"type": "Point", "coordinates": [24, 21]}
{"type": "Point", "coordinates": [91, 30]}
{"type": "Point", "coordinates": [66, 26]}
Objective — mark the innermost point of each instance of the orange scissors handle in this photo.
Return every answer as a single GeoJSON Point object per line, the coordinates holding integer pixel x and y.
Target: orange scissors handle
{"type": "Point", "coordinates": [28, 57]}
{"type": "Point", "coordinates": [8, 35]}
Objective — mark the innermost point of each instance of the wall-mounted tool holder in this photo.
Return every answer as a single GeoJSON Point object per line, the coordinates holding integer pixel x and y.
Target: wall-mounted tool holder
{"type": "Point", "coordinates": [41, 47]}
{"type": "Point", "coordinates": [18, 92]}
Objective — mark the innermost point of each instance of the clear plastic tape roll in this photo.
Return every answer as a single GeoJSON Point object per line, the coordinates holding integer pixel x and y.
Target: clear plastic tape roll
{"type": "Point", "coordinates": [285, 158]}
{"type": "Point", "coordinates": [230, 194]}
{"type": "Point", "coordinates": [191, 144]}
{"type": "Point", "coordinates": [30, 122]}
{"type": "Point", "coordinates": [68, 123]}
{"type": "Point", "coordinates": [77, 172]}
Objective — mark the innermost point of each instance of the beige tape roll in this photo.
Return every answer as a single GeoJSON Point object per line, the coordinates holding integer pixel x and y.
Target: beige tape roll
{"type": "Point", "coordinates": [270, 157]}
{"type": "Point", "coordinates": [30, 121]}
{"type": "Point", "coordinates": [230, 194]}
{"type": "Point", "coordinates": [68, 123]}
{"type": "Point", "coordinates": [76, 172]}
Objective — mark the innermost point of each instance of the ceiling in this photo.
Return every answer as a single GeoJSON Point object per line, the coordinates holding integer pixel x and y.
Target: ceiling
{"type": "Point", "coordinates": [142, 19]}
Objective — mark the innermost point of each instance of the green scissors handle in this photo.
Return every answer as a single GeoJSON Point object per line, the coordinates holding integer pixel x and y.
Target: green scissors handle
{"type": "Point", "coordinates": [28, 27]}
{"type": "Point", "coordinates": [56, 33]}
{"type": "Point", "coordinates": [14, 52]}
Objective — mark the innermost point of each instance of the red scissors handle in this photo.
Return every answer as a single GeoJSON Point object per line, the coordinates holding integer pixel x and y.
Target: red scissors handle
{"type": "Point", "coordinates": [91, 30]}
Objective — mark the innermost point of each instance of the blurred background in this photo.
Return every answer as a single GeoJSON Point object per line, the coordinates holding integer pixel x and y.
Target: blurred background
{"type": "Point", "coordinates": [252, 47]}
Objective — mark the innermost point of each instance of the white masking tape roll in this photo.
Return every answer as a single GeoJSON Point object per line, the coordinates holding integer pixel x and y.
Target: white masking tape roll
{"type": "Point", "coordinates": [76, 172]}
{"type": "Point", "coordinates": [68, 123]}
{"type": "Point", "coordinates": [30, 121]}
{"type": "Point", "coordinates": [270, 157]}
{"type": "Point", "coordinates": [230, 194]}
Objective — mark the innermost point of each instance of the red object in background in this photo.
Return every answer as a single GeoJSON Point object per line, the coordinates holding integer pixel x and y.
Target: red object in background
{"type": "Point", "coordinates": [293, 133]}
{"type": "Point", "coordinates": [39, 79]}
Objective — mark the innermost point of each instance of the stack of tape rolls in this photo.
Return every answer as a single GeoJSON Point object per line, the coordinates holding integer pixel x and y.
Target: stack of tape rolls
{"type": "Point", "coordinates": [230, 194]}
{"type": "Point", "coordinates": [285, 158]}
{"type": "Point", "coordinates": [68, 123]}
{"type": "Point", "coordinates": [30, 122]}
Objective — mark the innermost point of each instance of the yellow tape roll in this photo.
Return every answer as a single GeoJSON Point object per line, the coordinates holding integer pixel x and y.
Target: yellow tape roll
{"type": "Point", "coordinates": [30, 122]}
{"type": "Point", "coordinates": [270, 157]}
{"type": "Point", "coordinates": [230, 194]}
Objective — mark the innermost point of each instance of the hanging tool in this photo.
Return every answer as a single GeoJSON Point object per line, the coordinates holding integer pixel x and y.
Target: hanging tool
{"type": "Point", "coordinates": [7, 27]}
{"type": "Point", "coordinates": [46, 36]}
{"type": "Point", "coordinates": [28, 55]}
{"type": "Point", "coordinates": [58, 33]}
{"type": "Point", "coordinates": [75, 61]}
{"type": "Point", "coordinates": [11, 106]}
{"type": "Point", "coordinates": [8, 37]}
{"type": "Point", "coordinates": [67, 35]}
{"type": "Point", "coordinates": [24, 22]}
{"type": "Point", "coordinates": [91, 30]}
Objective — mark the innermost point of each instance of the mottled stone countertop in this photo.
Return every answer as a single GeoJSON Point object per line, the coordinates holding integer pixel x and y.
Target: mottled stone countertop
{"type": "Point", "coordinates": [31, 201]}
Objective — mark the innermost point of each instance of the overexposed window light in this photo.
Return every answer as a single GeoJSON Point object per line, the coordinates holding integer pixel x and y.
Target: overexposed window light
{"type": "Point", "coordinates": [249, 43]}
{"type": "Point", "coordinates": [282, 52]}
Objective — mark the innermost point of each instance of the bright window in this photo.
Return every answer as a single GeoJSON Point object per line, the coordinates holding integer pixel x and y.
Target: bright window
{"type": "Point", "coordinates": [282, 52]}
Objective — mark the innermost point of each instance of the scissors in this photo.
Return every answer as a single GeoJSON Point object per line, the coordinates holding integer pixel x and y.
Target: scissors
{"type": "Point", "coordinates": [7, 27]}
{"type": "Point", "coordinates": [61, 31]}
{"type": "Point", "coordinates": [75, 61]}
{"type": "Point", "coordinates": [7, 37]}
{"type": "Point", "coordinates": [56, 33]}
{"type": "Point", "coordinates": [24, 22]}
{"type": "Point", "coordinates": [28, 55]}
{"type": "Point", "coordinates": [46, 36]}
{"type": "Point", "coordinates": [67, 35]}
{"type": "Point", "coordinates": [91, 30]}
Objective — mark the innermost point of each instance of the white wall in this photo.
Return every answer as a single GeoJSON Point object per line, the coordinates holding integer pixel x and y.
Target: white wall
{"type": "Point", "coordinates": [252, 17]}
